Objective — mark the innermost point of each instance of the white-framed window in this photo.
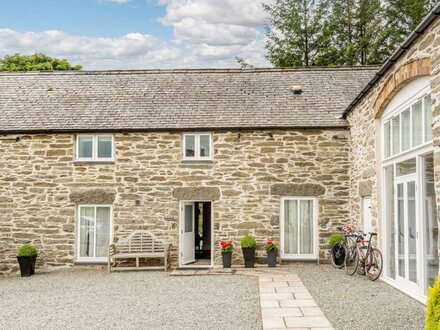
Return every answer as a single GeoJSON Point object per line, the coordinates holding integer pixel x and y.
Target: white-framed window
{"type": "Point", "coordinates": [95, 147]}
{"type": "Point", "coordinates": [299, 228]}
{"type": "Point", "coordinates": [94, 232]}
{"type": "Point", "coordinates": [197, 146]}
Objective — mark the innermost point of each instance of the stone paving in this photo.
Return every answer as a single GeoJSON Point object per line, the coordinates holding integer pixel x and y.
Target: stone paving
{"type": "Point", "coordinates": [285, 301]}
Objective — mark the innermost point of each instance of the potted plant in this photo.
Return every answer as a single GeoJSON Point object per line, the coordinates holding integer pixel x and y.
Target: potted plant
{"type": "Point", "coordinates": [272, 252]}
{"type": "Point", "coordinates": [226, 248]}
{"type": "Point", "coordinates": [248, 245]}
{"type": "Point", "coordinates": [27, 256]}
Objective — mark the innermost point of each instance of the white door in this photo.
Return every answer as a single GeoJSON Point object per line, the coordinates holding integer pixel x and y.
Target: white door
{"type": "Point", "coordinates": [187, 248]}
{"type": "Point", "coordinates": [407, 234]}
{"type": "Point", "coordinates": [367, 225]}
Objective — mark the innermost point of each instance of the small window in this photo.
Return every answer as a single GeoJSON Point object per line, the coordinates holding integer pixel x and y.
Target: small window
{"type": "Point", "coordinates": [197, 146]}
{"type": "Point", "coordinates": [95, 148]}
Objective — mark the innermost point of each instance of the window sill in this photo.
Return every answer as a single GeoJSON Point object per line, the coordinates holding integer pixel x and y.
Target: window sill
{"type": "Point", "coordinates": [90, 262]}
{"type": "Point", "coordinates": [197, 161]}
{"type": "Point", "coordinates": [99, 162]}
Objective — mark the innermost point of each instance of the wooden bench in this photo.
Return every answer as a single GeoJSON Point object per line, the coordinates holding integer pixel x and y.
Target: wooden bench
{"type": "Point", "coordinates": [137, 245]}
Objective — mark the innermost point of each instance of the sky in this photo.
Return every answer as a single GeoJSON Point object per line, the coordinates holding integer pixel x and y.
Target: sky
{"type": "Point", "coordinates": [137, 34]}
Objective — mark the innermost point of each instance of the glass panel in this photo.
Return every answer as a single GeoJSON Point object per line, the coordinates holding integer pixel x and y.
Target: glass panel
{"type": "Point", "coordinates": [387, 138]}
{"type": "Point", "coordinates": [190, 145]}
{"type": "Point", "coordinates": [85, 147]}
{"type": "Point", "coordinates": [306, 226]}
{"type": "Point", "coordinates": [428, 118]}
{"type": "Point", "coordinates": [406, 167]}
{"type": "Point", "coordinates": [87, 232]}
{"type": "Point", "coordinates": [431, 258]}
{"type": "Point", "coordinates": [412, 231]}
{"type": "Point", "coordinates": [102, 231]}
{"type": "Point", "coordinates": [104, 147]}
{"type": "Point", "coordinates": [204, 146]}
{"type": "Point", "coordinates": [417, 125]}
{"type": "Point", "coordinates": [390, 224]}
{"type": "Point", "coordinates": [291, 227]}
{"type": "Point", "coordinates": [188, 218]}
{"type": "Point", "coordinates": [401, 230]}
{"type": "Point", "coordinates": [406, 130]}
{"type": "Point", "coordinates": [396, 134]}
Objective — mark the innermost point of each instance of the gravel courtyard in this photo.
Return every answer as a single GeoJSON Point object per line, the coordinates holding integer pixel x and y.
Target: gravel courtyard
{"type": "Point", "coordinates": [354, 302]}
{"type": "Point", "coordinates": [91, 299]}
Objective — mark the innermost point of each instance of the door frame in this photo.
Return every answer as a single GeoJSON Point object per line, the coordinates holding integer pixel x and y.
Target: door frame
{"type": "Point", "coordinates": [315, 254]}
{"type": "Point", "coordinates": [181, 218]}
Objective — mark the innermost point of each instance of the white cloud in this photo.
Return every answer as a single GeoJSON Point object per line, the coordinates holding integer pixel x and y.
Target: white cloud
{"type": "Point", "coordinates": [133, 50]}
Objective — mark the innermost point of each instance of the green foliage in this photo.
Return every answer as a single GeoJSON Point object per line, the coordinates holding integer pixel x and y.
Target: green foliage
{"type": "Point", "coordinates": [271, 246]}
{"type": "Point", "coordinates": [27, 250]}
{"type": "Point", "coordinates": [335, 239]}
{"type": "Point", "coordinates": [35, 62]}
{"type": "Point", "coordinates": [248, 241]}
{"type": "Point", "coordinates": [433, 306]}
{"type": "Point", "coordinates": [339, 32]}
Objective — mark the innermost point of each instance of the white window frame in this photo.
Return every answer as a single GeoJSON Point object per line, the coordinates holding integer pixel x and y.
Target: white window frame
{"type": "Point", "coordinates": [78, 229]}
{"type": "Point", "coordinates": [95, 157]}
{"type": "Point", "coordinates": [314, 255]}
{"type": "Point", "coordinates": [197, 156]}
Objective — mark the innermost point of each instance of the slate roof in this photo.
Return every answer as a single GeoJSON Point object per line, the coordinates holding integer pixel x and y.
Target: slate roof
{"type": "Point", "coordinates": [177, 99]}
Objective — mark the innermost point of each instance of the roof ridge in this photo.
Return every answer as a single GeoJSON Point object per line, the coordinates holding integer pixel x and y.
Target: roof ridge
{"type": "Point", "coordinates": [201, 71]}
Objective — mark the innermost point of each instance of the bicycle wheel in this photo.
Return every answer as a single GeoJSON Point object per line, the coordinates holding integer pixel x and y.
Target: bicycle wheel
{"type": "Point", "coordinates": [361, 265]}
{"type": "Point", "coordinates": [373, 264]}
{"type": "Point", "coordinates": [351, 260]}
{"type": "Point", "coordinates": [337, 255]}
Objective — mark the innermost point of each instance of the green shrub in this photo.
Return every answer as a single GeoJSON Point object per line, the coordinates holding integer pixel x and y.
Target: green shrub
{"type": "Point", "coordinates": [248, 241]}
{"type": "Point", "coordinates": [27, 250]}
{"type": "Point", "coordinates": [335, 239]}
{"type": "Point", "coordinates": [433, 306]}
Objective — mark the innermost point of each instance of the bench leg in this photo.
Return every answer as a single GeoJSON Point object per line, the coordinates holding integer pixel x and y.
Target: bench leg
{"type": "Point", "coordinates": [165, 262]}
{"type": "Point", "coordinates": [109, 264]}
{"type": "Point", "coordinates": [137, 262]}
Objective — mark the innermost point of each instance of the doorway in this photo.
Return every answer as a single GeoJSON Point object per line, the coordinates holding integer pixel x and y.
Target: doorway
{"type": "Point", "coordinates": [196, 232]}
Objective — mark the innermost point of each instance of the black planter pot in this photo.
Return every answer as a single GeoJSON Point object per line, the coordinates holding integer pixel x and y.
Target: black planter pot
{"type": "Point", "coordinates": [227, 259]}
{"type": "Point", "coordinates": [249, 257]}
{"type": "Point", "coordinates": [26, 265]}
{"type": "Point", "coordinates": [34, 261]}
{"type": "Point", "coordinates": [272, 258]}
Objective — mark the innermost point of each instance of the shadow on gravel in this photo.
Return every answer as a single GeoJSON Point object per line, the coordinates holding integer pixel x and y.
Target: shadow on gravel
{"type": "Point", "coordinates": [354, 302]}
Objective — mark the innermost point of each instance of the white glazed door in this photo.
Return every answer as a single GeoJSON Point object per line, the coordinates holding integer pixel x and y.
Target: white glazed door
{"type": "Point", "coordinates": [188, 233]}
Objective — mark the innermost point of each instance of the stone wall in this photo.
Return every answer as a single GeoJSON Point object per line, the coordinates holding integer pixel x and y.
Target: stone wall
{"type": "Point", "coordinates": [40, 186]}
{"type": "Point", "coordinates": [365, 121]}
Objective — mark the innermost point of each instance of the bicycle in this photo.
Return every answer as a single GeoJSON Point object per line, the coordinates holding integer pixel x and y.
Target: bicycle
{"type": "Point", "coordinates": [365, 259]}
{"type": "Point", "coordinates": [337, 253]}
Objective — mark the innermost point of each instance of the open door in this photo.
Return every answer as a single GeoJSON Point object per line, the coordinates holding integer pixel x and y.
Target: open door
{"type": "Point", "coordinates": [188, 233]}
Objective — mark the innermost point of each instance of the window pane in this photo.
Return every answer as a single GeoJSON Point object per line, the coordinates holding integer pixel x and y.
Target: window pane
{"type": "Point", "coordinates": [406, 167]}
{"type": "Point", "coordinates": [104, 147]}
{"type": "Point", "coordinates": [428, 118]}
{"type": "Point", "coordinates": [387, 138]}
{"type": "Point", "coordinates": [204, 146]}
{"type": "Point", "coordinates": [396, 134]}
{"type": "Point", "coordinates": [417, 125]}
{"type": "Point", "coordinates": [389, 218]}
{"type": "Point", "coordinates": [85, 147]}
{"type": "Point", "coordinates": [190, 145]}
{"type": "Point", "coordinates": [412, 230]}
{"type": "Point", "coordinates": [306, 226]}
{"type": "Point", "coordinates": [406, 130]}
{"type": "Point", "coordinates": [430, 223]}
{"type": "Point", "coordinates": [401, 230]}
{"type": "Point", "coordinates": [291, 227]}
{"type": "Point", "coordinates": [87, 232]}
{"type": "Point", "coordinates": [188, 218]}
{"type": "Point", "coordinates": [102, 231]}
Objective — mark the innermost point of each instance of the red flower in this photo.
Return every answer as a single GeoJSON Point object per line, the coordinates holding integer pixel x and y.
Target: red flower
{"type": "Point", "coordinates": [269, 243]}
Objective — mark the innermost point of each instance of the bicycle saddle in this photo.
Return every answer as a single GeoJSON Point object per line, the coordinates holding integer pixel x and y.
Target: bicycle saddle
{"type": "Point", "coordinates": [372, 233]}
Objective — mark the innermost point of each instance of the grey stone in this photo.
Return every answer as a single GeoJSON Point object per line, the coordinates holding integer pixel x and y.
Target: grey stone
{"type": "Point", "coordinates": [197, 193]}
{"type": "Point", "coordinates": [93, 196]}
{"type": "Point", "coordinates": [365, 188]}
{"type": "Point", "coordinates": [275, 220]}
{"type": "Point", "coordinates": [293, 189]}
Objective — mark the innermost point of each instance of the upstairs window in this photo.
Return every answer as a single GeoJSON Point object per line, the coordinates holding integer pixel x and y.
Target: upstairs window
{"type": "Point", "coordinates": [197, 146]}
{"type": "Point", "coordinates": [409, 128]}
{"type": "Point", "coordinates": [95, 148]}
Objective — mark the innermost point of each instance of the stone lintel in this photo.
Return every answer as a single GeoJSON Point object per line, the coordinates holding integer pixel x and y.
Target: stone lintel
{"type": "Point", "coordinates": [197, 193]}
{"type": "Point", "coordinates": [93, 196]}
{"type": "Point", "coordinates": [300, 190]}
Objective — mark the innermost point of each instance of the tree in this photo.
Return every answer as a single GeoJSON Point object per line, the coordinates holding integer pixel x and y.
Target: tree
{"type": "Point", "coordinates": [35, 62]}
{"type": "Point", "coordinates": [294, 32]}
